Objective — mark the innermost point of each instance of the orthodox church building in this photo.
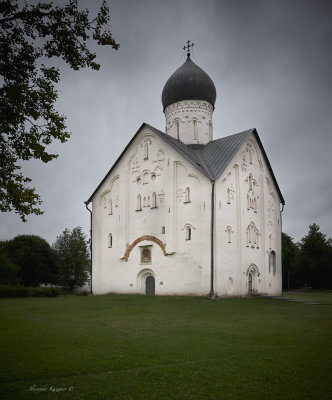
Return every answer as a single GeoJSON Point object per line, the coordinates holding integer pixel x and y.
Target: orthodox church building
{"type": "Point", "coordinates": [182, 214]}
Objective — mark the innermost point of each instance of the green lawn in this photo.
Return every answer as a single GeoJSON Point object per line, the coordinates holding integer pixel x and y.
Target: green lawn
{"type": "Point", "coordinates": [314, 296]}
{"type": "Point", "coordinates": [138, 347]}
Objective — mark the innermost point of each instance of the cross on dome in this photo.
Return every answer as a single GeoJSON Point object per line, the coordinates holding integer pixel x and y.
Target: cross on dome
{"type": "Point", "coordinates": [187, 47]}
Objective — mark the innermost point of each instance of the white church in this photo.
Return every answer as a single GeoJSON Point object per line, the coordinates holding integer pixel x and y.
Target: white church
{"type": "Point", "coordinates": [182, 214]}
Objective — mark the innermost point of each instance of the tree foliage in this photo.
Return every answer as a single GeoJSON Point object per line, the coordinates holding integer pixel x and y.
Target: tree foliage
{"type": "Point", "coordinates": [74, 258]}
{"type": "Point", "coordinates": [36, 260]}
{"type": "Point", "coordinates": [29, 35]}
{"type": "Point", "coordinates": [9, 272]}
{"type": "Point", "coordinates": [290, 253]}
{"type": "Point", "coordinates": [315, 259]}
{"type": "Point", "coordinates": [308, 263]}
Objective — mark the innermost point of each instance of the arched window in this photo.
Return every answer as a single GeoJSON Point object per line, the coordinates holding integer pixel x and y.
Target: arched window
{"type": "Point", "coordinates": [146, 151]}
{"type": "Point", "coordinates": [146, 177]}
{"type": "Point", "coordinates": [273, 262]}
{"type": "Point", "coordinates": [252, 235]}
{"type": "Point", "coordinates": [250, 181]}
{"type": "Point", "coordinates": [195, 129]}
{"type": "Point", "coordinates": [139, 203]}
{"type": "Point", "coordinates": [149, 202]}
{"type": "Point", "coordinates": [187, 195]}
{"type": "Point", "coordinates": [188, 233]}
{"type": "Point", "coordinates": [144, 201]}
{"type": "Point", "coordinates": [110, 240]}
{"type": "Point", "coordinates": [228, 196]}
{"type": "Point", "coordinates": [154, 200]}
{"type": "Point", "coordinates": [250, 156]}
{"type": "Point", "coordinates": [110, 207]}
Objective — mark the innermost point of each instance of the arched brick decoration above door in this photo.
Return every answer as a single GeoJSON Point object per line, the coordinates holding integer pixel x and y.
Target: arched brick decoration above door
{"type": "Point", "coordinates": [141, 239]}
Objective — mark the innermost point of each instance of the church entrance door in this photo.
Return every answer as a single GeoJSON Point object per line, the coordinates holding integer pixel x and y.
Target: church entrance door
{"type": "Point", "coordinates": [150, 286]}
{"type": "Point", "coordinates": [250, 283]}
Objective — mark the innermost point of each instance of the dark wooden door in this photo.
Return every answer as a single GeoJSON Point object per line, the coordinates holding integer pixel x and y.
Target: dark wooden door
{"type": "Point", "coordinates": [250, 283]}
{"type": "Point", "coordinates": [150, 286]}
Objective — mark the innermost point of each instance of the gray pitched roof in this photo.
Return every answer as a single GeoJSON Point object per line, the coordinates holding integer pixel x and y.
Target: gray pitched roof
{"type": "Point", "coordinates": [211, 159]}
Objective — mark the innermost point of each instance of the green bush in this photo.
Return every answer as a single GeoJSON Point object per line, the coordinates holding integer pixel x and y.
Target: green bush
{"type": "Point", "coordinates": [82, 293]}
{"type": "Point", "coordinates": [45, 292]}
{"type": "Point", "coordinates": [7, 291]}
{"type": "Point", "coordinates": [22, 291]}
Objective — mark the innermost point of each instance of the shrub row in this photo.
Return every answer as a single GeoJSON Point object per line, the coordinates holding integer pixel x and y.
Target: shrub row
{"type": "Point", "coordinates": [22, 291]}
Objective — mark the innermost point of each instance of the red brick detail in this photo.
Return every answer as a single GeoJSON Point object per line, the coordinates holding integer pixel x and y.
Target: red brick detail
{"type": "Point", "coordinates": [141, 239]}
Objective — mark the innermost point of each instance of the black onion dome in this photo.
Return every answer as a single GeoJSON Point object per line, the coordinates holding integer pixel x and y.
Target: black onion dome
{"type": "Point", "coordinates": [189, 82]}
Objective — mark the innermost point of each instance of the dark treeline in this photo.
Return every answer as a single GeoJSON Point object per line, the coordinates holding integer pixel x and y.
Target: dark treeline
{"type": "Point", "coordinates": [30, 261]}
{"type": "Point", "coordinates": [307, 263]}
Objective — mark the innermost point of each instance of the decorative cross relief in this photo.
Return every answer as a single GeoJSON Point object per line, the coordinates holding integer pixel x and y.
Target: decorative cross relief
{"type": "Point", "coordinates": [116, 201]}
{"type": "Point", "coordinates": [179, 194]}
{"type": "Point", "coordinates": [159, 160]}
{"type": "Point", "coordinates": [161, 196]}
{"type": "Point", "coordinates": [135, 168]}
{"type": "Point", "coordinates": [270, 212]}
{"type": "Point", "coordinates": [230, 194]}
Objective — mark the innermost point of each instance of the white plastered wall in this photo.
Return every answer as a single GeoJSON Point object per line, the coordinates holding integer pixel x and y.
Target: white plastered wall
{"type": "Point", "coordinates": [150, 167]}
{"type": "Point", "coordinates": [248, 226]}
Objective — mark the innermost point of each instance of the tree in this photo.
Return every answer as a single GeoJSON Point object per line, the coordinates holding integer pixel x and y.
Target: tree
{"type": "Point", "coordinates": [74, 258]}
{"type": "Point", "coordinates": [36, 259]}
{"type": "Point", "coordinates": [8, 271]}
{"type": "Point", "coordinates": [29, 35]}
{"type": "Point", "coordinates": [315, 259]}
{"type": "Point", "coordinates": [290, 253]}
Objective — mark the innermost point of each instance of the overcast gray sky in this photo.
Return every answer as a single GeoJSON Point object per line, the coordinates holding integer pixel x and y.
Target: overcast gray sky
{"type": "Point", "coordinates": [270, 61]}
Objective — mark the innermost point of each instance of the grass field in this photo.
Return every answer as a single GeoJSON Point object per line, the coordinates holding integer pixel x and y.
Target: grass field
{"type": "Point", "coordinates": [138, 347]}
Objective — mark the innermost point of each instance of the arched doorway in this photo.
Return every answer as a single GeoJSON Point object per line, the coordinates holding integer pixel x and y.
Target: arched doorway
{"type": "Point", "coordinates": [146, 282]}
{"type": "Point", "coordinates": [150, 285]}
{"type": "Point", "coordinates": [252, 274]}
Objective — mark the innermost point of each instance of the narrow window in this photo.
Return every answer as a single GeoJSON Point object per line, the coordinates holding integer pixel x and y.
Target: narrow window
{"type": "Point", "coordinates": [144, 201]}
{"type": "Point", "coordinates": [187, 195]}
{"type": "Point", "coordinates": [146, 178]}
{"type": "Point", "coordinates": [146, 151]}
{"type": "Point", "coordinates": [210, 130]}
{"type": "Point", "coordinates": [188, 233]}
{"type": "Point", "coordinates": [110, 207]}
{"type": "Point", "coordinates": [250, 182]}
{"type": "Point", "coordinates": [154, 200]}
{"type": "Point", "coordinates": [195, 129]}
{"type": "Point", "coordinates": [229, 231]}
{"type": "Point", "coordinates": [149, 202]}
{"type": "Point", "coordinates": [163, 230]}
{"type": "Point", "coordinates": [139, 203]}
{"type": "Point", "coordinates": [228, 196]}
{"type": "Point", "coordinates": [110, 240]}
{"type": "Point", "coordinates": [272, 263]}
{"type": "Point", "coordinates": [250, 156]}
{"type": "Point", "coordinates": [178, 130]}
